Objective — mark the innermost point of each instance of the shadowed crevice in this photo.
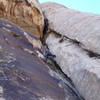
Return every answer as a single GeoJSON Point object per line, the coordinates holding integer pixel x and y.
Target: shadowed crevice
{"type": "Point", "coordinates": [46, 25]}
{"type": "Point", "coordinates": [90, 53]}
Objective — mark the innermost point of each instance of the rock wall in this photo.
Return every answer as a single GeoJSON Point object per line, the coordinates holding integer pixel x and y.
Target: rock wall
{"type": "Point", "coordinates": [23, 75]}
{"type": "Point", "coordinates": [74, 62]}
{"type": "Point", "coordinates": [84, 27]}
{"type": "Point", "coordinates": [74, 38]}
{"type": "Point", "coordinates": [25, 13]}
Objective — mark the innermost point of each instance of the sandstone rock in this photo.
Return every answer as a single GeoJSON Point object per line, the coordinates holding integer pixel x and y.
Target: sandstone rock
{"type": "Point", "coordinates": [25, 13]}
{"type": "Point", "coordinates": [23, 75]}
{"type": "Point", "coordinates": [75, 40]}
{"type": "Point", "coordinates": [84, 27]}
{"type": "Point", "coordinates": [74, 61]}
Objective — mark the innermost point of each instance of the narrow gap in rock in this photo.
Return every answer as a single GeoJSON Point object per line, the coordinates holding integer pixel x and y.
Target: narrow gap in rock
{"type": "Point", "coordinates": [69, 85]}
{"type": "Point", "coordinates": [44, 30]}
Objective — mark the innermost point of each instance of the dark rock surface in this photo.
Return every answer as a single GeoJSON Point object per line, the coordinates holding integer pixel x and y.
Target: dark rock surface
{"type": "Point", "coordinates": [23, 76]}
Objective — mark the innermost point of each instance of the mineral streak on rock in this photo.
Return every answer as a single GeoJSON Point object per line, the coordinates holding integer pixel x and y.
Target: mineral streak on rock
{"type": "Point", "coordinates": [25, 13]}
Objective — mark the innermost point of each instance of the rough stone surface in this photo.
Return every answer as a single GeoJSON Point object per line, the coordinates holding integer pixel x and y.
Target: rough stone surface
{"type": "Point", "coordinates": [84, 27]}
{"type": "Point", "coordinates": [84, 71]}
{"type": "Point", "coordinates": [25, 13]}
{"type": "Point", "coordinates": [23, 76]}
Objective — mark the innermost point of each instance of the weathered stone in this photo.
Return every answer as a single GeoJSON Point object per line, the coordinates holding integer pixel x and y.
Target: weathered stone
{"type": "Point", "coordinates": [74, 61]}
{"type": "Point", "coordinates": [24, 76]}
{"type": "Point", "coordinates": [75, 40]}
{"type": "Point", "coordinates": [25, 13]}
{"type": "Point", "coordinates": [84, 27]}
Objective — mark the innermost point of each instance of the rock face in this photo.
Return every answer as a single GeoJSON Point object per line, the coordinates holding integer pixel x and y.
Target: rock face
{"type": "Point", "coordinates": [75, 41]}
{"type": "Point", "coordinates": [25, 13]}
{"type": "Point", "coordinates": [24, 76]}
{"type": "Point", "coordinates": [84, 71]}
{"type": "Point", "coordinates": [83, 27]}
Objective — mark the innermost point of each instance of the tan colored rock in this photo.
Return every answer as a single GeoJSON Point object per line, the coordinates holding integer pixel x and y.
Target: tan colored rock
{"type": "Point", "coordinates": [84, 27]}
{"type": "Point", "coordinates": [84, 71]}
{"type": "Point", "coordinates": [25, 13]}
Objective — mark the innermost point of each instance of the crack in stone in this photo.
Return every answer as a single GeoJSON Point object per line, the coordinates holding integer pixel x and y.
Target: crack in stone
{"type": "Point", "coordinates": [47, 30]}
{"type": "Point", "coordinates": [68, 85]}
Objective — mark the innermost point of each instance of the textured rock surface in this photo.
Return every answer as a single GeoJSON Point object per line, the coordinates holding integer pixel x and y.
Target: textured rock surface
{"type": "Point", "coordinates": [83, 27]}
{"type": "Point", "coordinates": [84, 71]}
{"type": "Point", "coordinates": [23, 76]}
{"type": "Point", "coordinates": [73, 34]}
{"type": "Point", "coordinates": [25, 13]}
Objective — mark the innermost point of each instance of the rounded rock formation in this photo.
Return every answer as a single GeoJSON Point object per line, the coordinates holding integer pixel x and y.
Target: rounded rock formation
{"type": "Point", "coordinates": [74, 38]}
{"type": "Point", "coordinates": [25, 13]}
{"type": "Point", "coordinates": [83, 27]}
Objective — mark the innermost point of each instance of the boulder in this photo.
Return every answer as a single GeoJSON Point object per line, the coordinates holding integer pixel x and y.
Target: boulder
{"type": "Point", "coordinates": [83, 27]}
{"type": "Point", "coordinates": [25, 13]}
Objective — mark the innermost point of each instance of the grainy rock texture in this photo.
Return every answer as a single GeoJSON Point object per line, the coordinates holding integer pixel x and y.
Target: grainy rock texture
{"type": "Point", "coordinates": [25, 13]}
{"type": "Point", "coordinates": [74, 39]}
{"type": "Point", "coordinates": [84, 71]}
{"type": "Point", "coordinates": [24, 76]}
{"type": "Point", "coordinates": [83, 27]}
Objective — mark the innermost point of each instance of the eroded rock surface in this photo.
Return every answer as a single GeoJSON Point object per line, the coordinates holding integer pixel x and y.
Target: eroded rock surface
{"type": "Point", "coordinates": [84, 27]}
{"type": "Point", "coordinates": [74, 38]}
{"type": "Point", "coordinates": [25, 13]}
{"type": "Point", "coordinates": [23, 76]}
{"type": "Point", "coordinates": [84, 71]}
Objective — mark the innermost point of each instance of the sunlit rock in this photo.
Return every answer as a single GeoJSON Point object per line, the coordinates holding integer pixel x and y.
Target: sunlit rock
{"type": "Point", "coordinates": [84, 27]}
{"type": "Point", "coordinates": [25, 13]}
{"type": "Point", "coordinates": [74, 38]}
{"type": "Point", "coordinates": [74, 62]}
